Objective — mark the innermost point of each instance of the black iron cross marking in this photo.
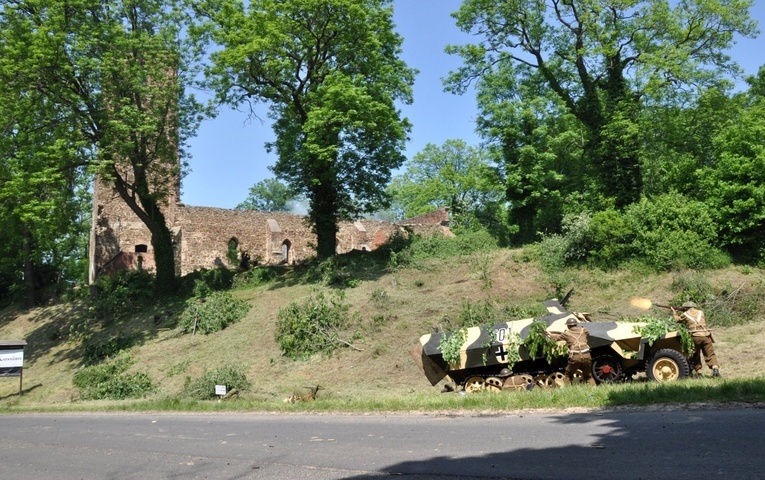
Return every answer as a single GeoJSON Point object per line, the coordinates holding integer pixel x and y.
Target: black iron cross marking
{"type": "Point", "coordinates": [501, 352]}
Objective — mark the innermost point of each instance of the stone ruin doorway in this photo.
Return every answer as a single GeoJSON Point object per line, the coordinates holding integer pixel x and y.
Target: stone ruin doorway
{"type": "Point", "coordinates": [286, 247]}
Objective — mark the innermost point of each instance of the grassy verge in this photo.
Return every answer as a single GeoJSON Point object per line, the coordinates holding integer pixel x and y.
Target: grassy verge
{"type": "Point", "coordinates": [637, 394]}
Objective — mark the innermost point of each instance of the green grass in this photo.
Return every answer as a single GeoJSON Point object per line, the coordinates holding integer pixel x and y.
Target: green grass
{"type": "Point", "coordinates": [634, 394]}
{"type": "Point", "coordinates": [392, 305]}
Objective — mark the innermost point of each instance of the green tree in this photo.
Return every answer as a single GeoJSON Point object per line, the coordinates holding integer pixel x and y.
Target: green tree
{"type": "Point", "coordinates": [604, 60]}
{"type": "Point", "coordinates": [269, 195]}
{"type": "Point", "coordinates": [734, 187]}
{"type": "Point", "coordinates": [43, 195]}
{"type": "Point", "coordinates": [455, 176]}
{"type": "Point", "coordinates": [115, 73]}
{"type": "Point", "coordinates": [330, 73]}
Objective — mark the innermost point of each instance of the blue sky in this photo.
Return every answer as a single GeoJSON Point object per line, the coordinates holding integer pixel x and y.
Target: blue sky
{"type": "Point", "coordinates": [228, 154]}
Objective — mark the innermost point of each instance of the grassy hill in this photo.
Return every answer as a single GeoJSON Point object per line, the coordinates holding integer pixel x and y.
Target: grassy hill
{"type": "Point", "coordinates": [396, 303]}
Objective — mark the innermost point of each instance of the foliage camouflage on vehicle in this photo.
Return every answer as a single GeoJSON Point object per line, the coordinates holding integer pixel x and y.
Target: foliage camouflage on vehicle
{"type": "Point", "coordinates": [618, 353]}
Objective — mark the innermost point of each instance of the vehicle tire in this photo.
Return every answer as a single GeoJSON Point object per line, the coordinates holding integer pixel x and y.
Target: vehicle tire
{"type": "Point", "coordinates": [607, 369]}
{"type": "Point", "coordinates": [667, 365]}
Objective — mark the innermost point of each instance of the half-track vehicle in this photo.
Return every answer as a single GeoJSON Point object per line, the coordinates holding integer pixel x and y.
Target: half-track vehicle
{"type": "Point", "coordinates": [486, 361]}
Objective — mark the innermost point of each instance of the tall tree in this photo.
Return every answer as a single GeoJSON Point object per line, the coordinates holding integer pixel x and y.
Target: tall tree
{"type": "Point", "coordinates": [604, 59]}
{"type": "Point", "coordinates": [114, 72]}
{"type": "Point", "coordinates": [43, 193]}
{"type": "Point", "coordinates": [330, 73]}
{"type": "Point", "coordinates": [734, 187]}
{"type": "Point", "coordinates": [456, 176]}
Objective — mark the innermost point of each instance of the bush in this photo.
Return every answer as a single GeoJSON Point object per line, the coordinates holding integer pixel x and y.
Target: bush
{"type": "Point", "coordinates": [122, 293]}
{"type": "Point", "coordinates": [254, 277]}
{"type": "Point", "coordinates": [313, 325]}
{"type": "Point", "coordinates": [108, 380]}
{"type": "Point", "coordinates": [98, 351]}
{"type": "Point", "coordinates": [203, 388]}
{"type": "Point", "coordinates": [664, 233]}
{"type": "Point", "coordinates": [213, 313]}
{"type": "Point", "coordinates": [202, 283]}
{"type": "Point", "coordinates": [672, 231]}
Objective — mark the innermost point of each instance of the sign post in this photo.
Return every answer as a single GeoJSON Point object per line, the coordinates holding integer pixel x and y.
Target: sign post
{"type": "Point", "coordinates": [12, 359]}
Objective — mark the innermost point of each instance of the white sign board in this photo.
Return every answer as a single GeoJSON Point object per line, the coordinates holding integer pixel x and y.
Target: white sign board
{"type": "Point", "coordinates": [11, 358]}
{"type": "Point", "coordinates": [220, 389]}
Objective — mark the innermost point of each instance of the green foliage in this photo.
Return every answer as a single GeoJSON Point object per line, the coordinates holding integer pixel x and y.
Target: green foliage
{"type": "Point", "coordinates": [529, 64]}
{"type": "Point", "coordinates": [95, 352]}
{"type": "Point", "coordinates": [109, 380]}
{"type": "Point", "coordinates": [339, 133]}
{"type": "Point", "coordinates": [656, 328]}
{"type": "Point", "coordinates": [269, 195]}
{"type": "Point", "coordinates": [539, 344]}
{"type": "Point", "coordinates": [334, 272]}
{"type": "Point", "coordinates": [313, 325]}
{"type": "Point", "coordinates": [666, 232]}
{"type": "Point", "coordinates": [203, 282]}
{"type": "Point", "coordinates": [454, 176]}
{"type": "Point", "coordinates": [441, 247]}
{"type": "Point", "coordinates": [103, 93]}
{"type": "Point", "coordinates": [672, 231]}
{"type": "Point", "coordinates": [212, 314]}
{"type": "Point", "coordinates": [125, 292]}
{"type": "Point", "coordinates": [203, 388]}
{"type": "Point", "coordinates": [254, 277]}
{"type": "Point", "coordinates": [734, 187]}
{"type": "Point", "coordinates": [450, 344]}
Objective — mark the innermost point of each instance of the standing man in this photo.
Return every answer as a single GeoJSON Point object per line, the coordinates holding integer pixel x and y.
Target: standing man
{"type": "Point", "coordinates": [576, 338]}
{"type": "Point", "coordinates": [693, 318]}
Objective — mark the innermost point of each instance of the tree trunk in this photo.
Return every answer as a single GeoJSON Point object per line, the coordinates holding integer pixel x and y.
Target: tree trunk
{"type": "Point", "coordinates": [323, 215]}
{"type": "Point", "coordinates": [29, 270]}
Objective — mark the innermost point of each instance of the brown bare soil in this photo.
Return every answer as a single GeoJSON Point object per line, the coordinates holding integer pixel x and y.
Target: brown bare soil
{"type": "Point", "coordinates": [395, 308]}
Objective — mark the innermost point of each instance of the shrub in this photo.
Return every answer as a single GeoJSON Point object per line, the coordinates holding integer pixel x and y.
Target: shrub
{"type": "Point", "coordinates": [313, 325]}
{"type": "Point", "coordinates": [672, 231]}
{"type": "Point", "coordinates": [96, 352]}
{"type": "Point", "coordinates": [124, 292]}
{"type": "Point", "coordinates": [254, 277]}
{"type": "Point", "coordinates": [202, 283]}
{"type": "Point", "coordinates": [211, 314]}
{"type": "Point", "coordinates": [108, 380]}
{"type": "Point", "coordinates": [203, 388]}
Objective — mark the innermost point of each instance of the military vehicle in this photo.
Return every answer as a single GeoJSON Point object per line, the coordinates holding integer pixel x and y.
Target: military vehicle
{"type": "Point", "coordinates": [494, 357]}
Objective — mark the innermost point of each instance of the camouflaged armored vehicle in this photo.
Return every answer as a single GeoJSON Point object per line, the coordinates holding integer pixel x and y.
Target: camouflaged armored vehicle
{"type": "Point", "coordinates": [486, 361]}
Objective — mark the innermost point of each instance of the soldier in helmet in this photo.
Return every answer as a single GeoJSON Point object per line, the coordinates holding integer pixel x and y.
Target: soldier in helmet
{"type": "Point", "coordinates": [693, 318]}
{"type": "Point", "coordinates": [576, 338]}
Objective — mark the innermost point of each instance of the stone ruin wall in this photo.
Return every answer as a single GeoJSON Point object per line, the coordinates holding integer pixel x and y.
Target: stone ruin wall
{"type": "Point", "coordinates": [119, 240]}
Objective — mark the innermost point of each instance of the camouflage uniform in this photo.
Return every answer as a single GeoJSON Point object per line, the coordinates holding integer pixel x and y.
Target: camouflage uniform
{"type": "Point", "coordinates": [579, 357]}
{"type": "Point", "coordinates": [693, 318]}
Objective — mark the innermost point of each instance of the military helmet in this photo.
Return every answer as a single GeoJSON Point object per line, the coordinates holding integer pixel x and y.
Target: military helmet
{"type": "Point", "coordinates": [689, 305]}
{"type": "Point", "coordinates": [505, 372]}
{"type": "Point", "coordinates": [571, 322]}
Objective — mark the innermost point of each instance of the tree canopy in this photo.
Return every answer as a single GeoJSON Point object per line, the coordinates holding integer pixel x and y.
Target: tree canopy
{"type": "Point", "coordinates": [269, 195]}
{"type": "Point", "coordinates": [112, 74]}
{"type": "Point", "coordinates": [329, 73]}
{"type": "Point", "coordinates": [603, 62]}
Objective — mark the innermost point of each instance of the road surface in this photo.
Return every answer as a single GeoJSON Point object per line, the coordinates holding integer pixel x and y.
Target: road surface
{"type": "Point", "coordinates": [690, 443]}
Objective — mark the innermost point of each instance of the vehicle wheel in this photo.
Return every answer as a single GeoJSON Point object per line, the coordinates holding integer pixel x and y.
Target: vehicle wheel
{"type": "Point", "coordinates": [667, 365]}
{"type": "Point", "coordinates": [557, 380]}
{"type": "Point", "coordinates": [474, 384]}
{"type": "Point", "coordinates": [493, 384]}
{"type": "Point", "coordinates": [606, 368]}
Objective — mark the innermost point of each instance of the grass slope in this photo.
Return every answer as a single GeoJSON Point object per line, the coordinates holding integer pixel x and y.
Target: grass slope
{"type": "Point", "coordinates": [395, 307]}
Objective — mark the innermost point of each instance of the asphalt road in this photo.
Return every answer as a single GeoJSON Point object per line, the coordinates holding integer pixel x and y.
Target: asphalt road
{"type": "Point", "coordinates": [680, 444]}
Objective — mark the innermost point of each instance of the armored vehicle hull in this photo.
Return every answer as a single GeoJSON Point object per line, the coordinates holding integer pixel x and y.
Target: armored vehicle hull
{"type": "Point", "coordinates": [618, 353]}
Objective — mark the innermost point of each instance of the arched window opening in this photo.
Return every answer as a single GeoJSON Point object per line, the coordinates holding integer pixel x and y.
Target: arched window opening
{"type": "Point", "coordinates": [286, 245]}
{"type": "Point", "coordinates": [141, 248]}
